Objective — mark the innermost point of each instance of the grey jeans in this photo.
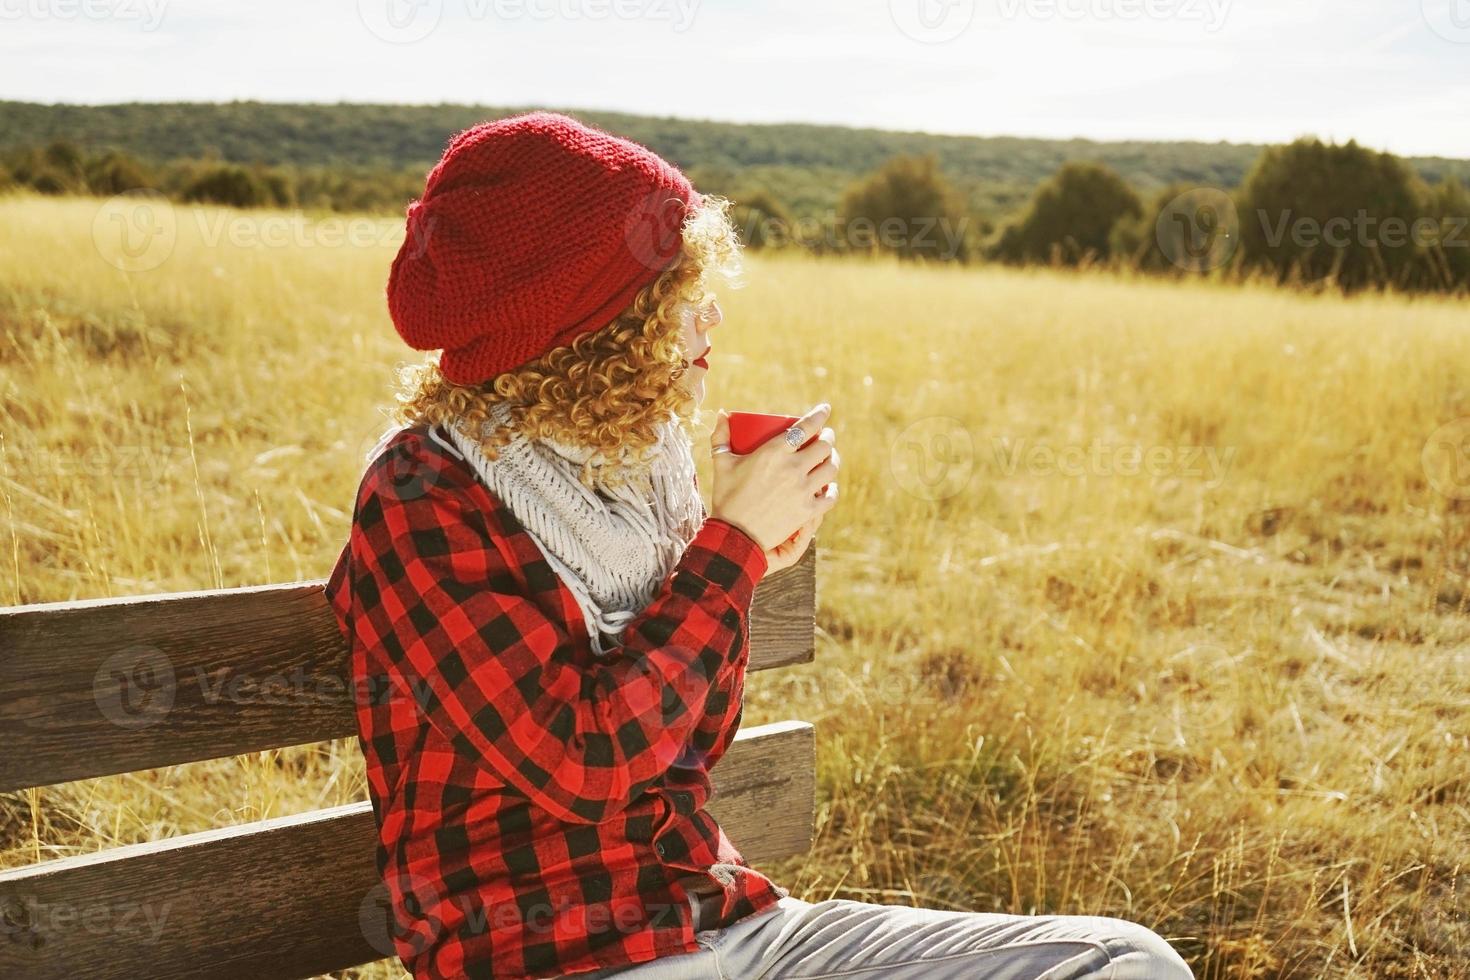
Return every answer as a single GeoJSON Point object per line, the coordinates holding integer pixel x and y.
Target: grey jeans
{"type": "Point", "coordinates": [799, 940]}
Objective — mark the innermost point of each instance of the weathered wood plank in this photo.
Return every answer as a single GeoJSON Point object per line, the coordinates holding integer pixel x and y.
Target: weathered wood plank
{"type": "Point", "coordinates": [98, 687]}
{"type": "Point", "coordinates": [298, 896]}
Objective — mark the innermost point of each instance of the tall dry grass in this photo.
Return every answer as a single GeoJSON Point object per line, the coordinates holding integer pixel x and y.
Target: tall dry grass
{"type": "Point", "coordinates": [1139, 599]}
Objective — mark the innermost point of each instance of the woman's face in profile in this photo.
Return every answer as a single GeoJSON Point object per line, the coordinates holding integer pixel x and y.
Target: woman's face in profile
{"type": "Point", "coordinates": [697, 322]}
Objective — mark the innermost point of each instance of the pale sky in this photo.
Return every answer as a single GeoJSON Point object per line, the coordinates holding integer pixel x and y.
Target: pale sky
{"type": "Point", "coordinates": [1394, 74]}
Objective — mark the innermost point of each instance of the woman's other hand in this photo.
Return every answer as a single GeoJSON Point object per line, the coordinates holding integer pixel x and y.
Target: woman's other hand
{"type": "Point", "coordinates": [776, 494]}
{"type": "Point", "coordinates": [789, 552]}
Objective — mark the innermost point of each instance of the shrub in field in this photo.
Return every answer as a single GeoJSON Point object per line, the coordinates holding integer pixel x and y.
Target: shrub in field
{"type": "Point", "coordinates": [1449, 257]}
{"type": "Point", "coordinates": [1070, 218]}
{"type": "Point", "coordinates": [354, 188]}
{"type": "Point", "coordinates": [236, 186]}
{"type": "Point", "coordinates": [1342, 213]}
{"type": "Point", "coordinates": [54, 169]}
{"type": "Point", "coordinates": [1185, 228]}
{"type": "Point", "coordinates": [762, 220]}
{"type": "Point", "coordinates": [906, 207]}
{"type": "Point", "coordinates": [225, 185]}
{"type": "Point", "coordinates": [64, 159]}
{"type": "Point", "coordinates": [1134, 238]}
{"type": "Point", "coordinates": [114, 172]}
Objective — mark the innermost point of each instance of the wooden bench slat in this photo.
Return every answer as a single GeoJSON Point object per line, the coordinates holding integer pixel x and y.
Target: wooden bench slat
{"type": "Point", "coordinates": [297, 896]}
{"type": "Point", "coordinates": [98, 687]}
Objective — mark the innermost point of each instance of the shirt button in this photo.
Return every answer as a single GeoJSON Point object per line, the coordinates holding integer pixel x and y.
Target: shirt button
{"type": "Point", "coordinates": [661, 849]}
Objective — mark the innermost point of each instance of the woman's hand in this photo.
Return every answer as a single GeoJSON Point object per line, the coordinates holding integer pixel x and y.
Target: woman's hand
{"type": "Point", "coordinates": [789, 552]}
{"type": "Point", "coordinates": [776, 494]}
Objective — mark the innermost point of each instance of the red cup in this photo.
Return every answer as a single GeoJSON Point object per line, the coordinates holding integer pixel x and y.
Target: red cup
{"type": "Point", "coordinates": [750, 430]}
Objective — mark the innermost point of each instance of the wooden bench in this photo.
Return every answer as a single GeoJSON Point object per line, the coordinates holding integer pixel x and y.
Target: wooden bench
{"type": "Point", "coordinates": [98, 687]}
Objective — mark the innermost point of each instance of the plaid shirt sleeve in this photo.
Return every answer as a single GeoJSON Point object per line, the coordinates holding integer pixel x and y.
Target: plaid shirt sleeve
{"type": "Point", "coordinates": [502, 681]}
{"type": "Point", "coordinates": [717, 727]}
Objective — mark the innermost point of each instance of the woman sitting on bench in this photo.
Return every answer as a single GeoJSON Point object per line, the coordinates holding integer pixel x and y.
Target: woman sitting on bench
{"type": "Point", "coordinates": [548, 631]}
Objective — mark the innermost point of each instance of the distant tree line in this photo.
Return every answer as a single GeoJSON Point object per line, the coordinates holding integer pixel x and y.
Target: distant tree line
{"type": "Point", "coordinates": [395, 136]}
{"type": "Point", "coordinates": [1306, 213]}
{"type": "Point", "coordinates": [62, 167]}
{"type": "Point", "coordinates": [1303, 213]}
{"type": "Point", "coordinates": [807, 167]}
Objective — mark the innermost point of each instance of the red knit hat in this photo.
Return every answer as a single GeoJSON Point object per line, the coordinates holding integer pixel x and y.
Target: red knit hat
{"type": "Point", "coordinates": [531, 230]}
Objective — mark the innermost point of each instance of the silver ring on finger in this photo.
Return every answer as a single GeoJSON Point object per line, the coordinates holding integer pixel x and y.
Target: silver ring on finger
{"type": "Point", "coordinates": [795, 437]}
{"type": "Point", "coordinates": [722, 447]}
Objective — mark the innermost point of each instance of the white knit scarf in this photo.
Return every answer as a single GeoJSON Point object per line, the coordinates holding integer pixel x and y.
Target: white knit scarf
{"type": "Point", "coordinates": [614, 547]}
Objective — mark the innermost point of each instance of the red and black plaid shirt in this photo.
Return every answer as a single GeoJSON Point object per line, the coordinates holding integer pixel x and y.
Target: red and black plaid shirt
{"type": "Point", "coordinates": [537, 806]}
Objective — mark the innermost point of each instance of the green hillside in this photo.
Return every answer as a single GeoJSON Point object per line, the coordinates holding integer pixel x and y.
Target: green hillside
{"type": "Point", "coordinates": [394, 136]}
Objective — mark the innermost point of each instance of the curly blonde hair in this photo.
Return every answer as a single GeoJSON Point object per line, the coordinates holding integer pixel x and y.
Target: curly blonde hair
{"type": "Point", "coordinates": [608, 389]}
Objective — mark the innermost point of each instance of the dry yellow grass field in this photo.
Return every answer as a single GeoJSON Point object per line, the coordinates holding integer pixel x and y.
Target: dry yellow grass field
{"type": "Point", "coordinates": [1142, 598]}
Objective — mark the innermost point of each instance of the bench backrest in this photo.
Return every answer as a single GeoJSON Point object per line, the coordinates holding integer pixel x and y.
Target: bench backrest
{"type": "Point", "coordinates": [98, 687]}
